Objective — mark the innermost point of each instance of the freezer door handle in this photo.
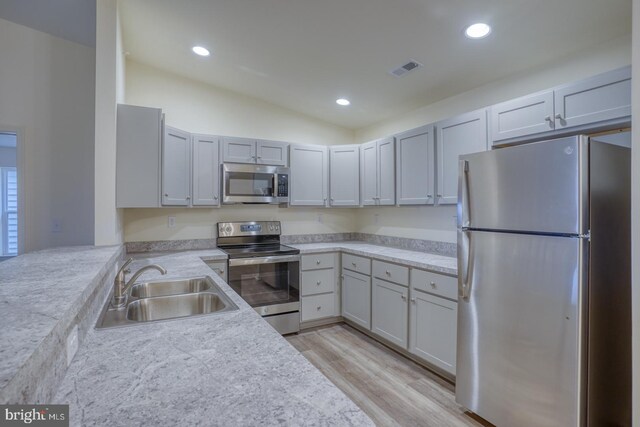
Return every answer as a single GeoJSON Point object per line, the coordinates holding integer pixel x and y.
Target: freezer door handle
{"type": "Point", "coordinates": [463, 194]}
{"type": "Point", "coordinates": [464, 255]}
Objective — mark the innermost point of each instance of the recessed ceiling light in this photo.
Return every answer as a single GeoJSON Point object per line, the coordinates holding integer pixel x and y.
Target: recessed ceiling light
{"type": "Point", "coordinates": [199, 50]}
{"type": "Point", "coordinates": [477, 31]}
{"type": "Point", "coordinates": [343, 101]}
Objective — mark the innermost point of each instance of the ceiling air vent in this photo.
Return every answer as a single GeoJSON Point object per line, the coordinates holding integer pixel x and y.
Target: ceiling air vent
{"type": "Point", "coordinates": [404, 69]}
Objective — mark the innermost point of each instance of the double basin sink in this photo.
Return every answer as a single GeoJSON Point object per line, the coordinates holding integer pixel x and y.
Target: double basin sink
{"type": "Point", "coordinates": [167, 299]}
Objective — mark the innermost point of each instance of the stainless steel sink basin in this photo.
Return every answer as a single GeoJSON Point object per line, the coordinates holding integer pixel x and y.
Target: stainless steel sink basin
{"type": "Point", "coordinates": [169, 287]}
{"type": "Point", "coordinates": [171, 307]}
{"type": "Point", "coordinates": [165, 300]}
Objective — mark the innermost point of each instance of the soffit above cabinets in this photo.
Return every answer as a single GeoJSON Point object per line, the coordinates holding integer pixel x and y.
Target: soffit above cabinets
{"type": "Point", "coordinates": [303, 55]}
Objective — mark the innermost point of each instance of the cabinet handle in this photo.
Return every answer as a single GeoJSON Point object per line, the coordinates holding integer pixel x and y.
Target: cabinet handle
{"type": "Point", "coordinates": [332, 200]}
{"type": "Point", "coordinates": [342, 276]}
{"type": "Point", "coordinates": [404, 297]}
{"type": "Point", "coordinates": [388, 273]}
{"type": "Point", "coordinates": [215, 197]}
{"type": "Point", "coordinates": [259, 157]}
{"type": "Point", "coordinates": [353, 263]}
{"type": "Point", "coordinates": [413, 300]}
{"type": "Point", "coordinates": [429, 196]}
{"type": "Point", "coordinates": [220, 271]}
{"type": "Point", "coordinates": [559, 116]}
{"type": "Point", "coordinates": [318, 307]}
{"type": "Point", "coordinates": [439, 195]}
{"type": "Point", "coordinates": [166, 194]}
{"type": "Point", "coordinates": [318, 282]}
{"type": "Point", "coordinates": [318, 262]}
{"type": "Point", "coordinates": [188, 197]}
{"type": "Point", "coordinates": [433, 285]}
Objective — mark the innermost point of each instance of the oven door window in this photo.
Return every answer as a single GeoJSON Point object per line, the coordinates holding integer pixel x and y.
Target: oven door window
{"type": "Point", "coordinates": [250, 184]}
{"type": "Point", "coordinates": [265, 284]}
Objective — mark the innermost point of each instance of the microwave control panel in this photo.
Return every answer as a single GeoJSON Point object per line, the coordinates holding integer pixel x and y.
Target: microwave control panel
{"type": "Point", "coordinates": [283, 185]}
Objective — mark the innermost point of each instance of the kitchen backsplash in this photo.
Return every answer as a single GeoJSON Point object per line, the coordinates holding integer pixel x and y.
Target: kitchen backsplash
{"type": "Point", "coordinates": [429, 246]}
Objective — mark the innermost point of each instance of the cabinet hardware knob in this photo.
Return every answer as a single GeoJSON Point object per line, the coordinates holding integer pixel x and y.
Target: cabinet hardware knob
{"type": "Point", "coordinates": [559, 116]}
{"type": "Point", "coordinates": [342, 276]}
{"type": "Point", "coordinates": [547, 119]}
{"type": "Point", "coordinates": [318, 282]}
{"type": "Point", "coordinates": [188, 197]}
{"type": "Point", "coordinates": [413, 300]}
{"type": "Point", "coordinates": [318, 307]}
{"type": "Point", "coordinates": [166, 194]}
{"type": "Point", "coordinates": [318, 262]}
{"type": "Point", "coordinates": [388, 273]}
{"type": "Point", "coordinates": [439, 195]}
{"type": "Point", "coordinates": [215, 197]}
{"type": "Point", "coordinates": [433, 285]}
{"type": "Point", "coordinates": [429, 196]}
{"type": "Point", "coordinates": [404, 297]}
{"type": "Point", "coordinates": [353, 263]}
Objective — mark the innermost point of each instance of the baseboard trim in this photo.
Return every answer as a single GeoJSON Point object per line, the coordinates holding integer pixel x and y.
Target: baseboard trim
{"type": "Point", "coordinates": [310, 324]}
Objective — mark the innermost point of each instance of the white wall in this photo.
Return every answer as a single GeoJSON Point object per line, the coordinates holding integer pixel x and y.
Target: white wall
{"type": "Point", "coordinates": [635, 217]}
{"type": "Point", "coordinates": [47, 89]}
{"type": "Point", "coordinates": [201, 108]}
{"type": "Point", "coordinates": [108, 219]}
{"type": "Point", "coordinates": [8, 157]}
{"type": "Point", "coordinates": [437, 223]}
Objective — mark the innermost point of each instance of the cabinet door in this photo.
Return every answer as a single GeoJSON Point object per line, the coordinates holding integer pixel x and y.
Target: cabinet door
{"type": "Point", "coordinates": [344, 175]}
{"type": "Point", "coordinates": [433, 330]}
{"type": "Point", "coordinates": [356, 298]}
{"type": "Point", "coordinates": [238, 150]}
{"type": "Point", "coordinates": [603, 97]}
{"type": "Point", "coordinates": [522, 116]}
{"type": "Point", "coordinates": [415, 164]}
{"type": "Point", "coordinates": [176, 159]}
{"type": "Point", "coordinates": [460, 135]}
{"type": "Point", "coordinates": [389, 311]}
{"type": "Point", "coordinates": [309, 170]}
{"type": "Point", "coordinates": [386, 172]}
{"type": "Point", "coordinates": [206, 170]}
{"type": "Point", "coordinates": [369, 173]}
{"type": "Point", "coordinates": [139, 137]}
{"type": "Point", "coordinates": [272, 153]}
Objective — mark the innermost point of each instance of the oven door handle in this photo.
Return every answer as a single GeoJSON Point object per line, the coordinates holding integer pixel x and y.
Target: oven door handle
{"type": "Point", "coordinates": [263, 260]}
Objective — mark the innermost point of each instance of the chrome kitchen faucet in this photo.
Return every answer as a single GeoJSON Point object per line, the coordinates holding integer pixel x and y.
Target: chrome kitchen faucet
{"type": "Point", "coordinates": [121, 285]}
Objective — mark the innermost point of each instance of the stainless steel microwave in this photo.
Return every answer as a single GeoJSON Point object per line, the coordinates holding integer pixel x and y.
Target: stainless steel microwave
{"type": "Point", "coordinates": [243, 183]}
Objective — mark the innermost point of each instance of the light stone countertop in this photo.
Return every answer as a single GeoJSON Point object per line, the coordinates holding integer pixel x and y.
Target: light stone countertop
{"type": "Point", "coordinates": [423, 260]}
{"type": "Point", "coordinates": [40, 294]}
{"type": "Point", "coordinates": [229, 369]}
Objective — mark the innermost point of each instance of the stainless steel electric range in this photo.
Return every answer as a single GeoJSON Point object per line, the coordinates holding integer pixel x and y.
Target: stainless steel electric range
{"type": "Point", "coordinates": [262, 271]}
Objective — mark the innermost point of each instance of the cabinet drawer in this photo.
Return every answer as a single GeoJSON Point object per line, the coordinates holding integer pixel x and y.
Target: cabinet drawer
{"type": "Point", "coordinates": [318, 281]}
{"type": "Point", "coordinates": [437, 284]}
{"type": "Point", "coordinates": [317, 261]}
{"type": "Point", "coordinates": [356, 263]}
{"type": "Point", "coordinates": [318, 306]}
{"type": "Point", "coordinates": [391, 272]}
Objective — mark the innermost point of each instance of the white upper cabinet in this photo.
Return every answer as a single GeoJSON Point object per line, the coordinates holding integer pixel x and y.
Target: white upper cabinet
{"type": "Point", "coordinates": [271, 153]}
{"type": "Point", "coordinates": [415, 164]}
{"type": "Point", "coordinates": [309, 175]}
{"type": "Point", "coordinates": [523, 116]}
{"type": "Point", "coordinates": [369, 173]}
{"type": "Point", "coordinates": [585, 105]}
{"type": "Point", "coordinates": [464, 134]}
{"type": "Point", "coordinates": [377, 174]}
{"type": "Point", "coordinates": [600, 98]}
{"type": "Point", "coordinates": [238, 150]}
{"type": "Point", "coordinates": [206, 170]}
{"type": "Point", "coordinates": [344, 175]}
{"type": "Point", "coordinates": [176, 167]}
{"type": "Point", "coordinates": [247, 150]}
{"type": "Point", "coordinates": [139, 136]}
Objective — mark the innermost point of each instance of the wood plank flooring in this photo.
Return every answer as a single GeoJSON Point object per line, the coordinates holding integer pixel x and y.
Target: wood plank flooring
{"type": "Point", "coordinates": [391, 389]}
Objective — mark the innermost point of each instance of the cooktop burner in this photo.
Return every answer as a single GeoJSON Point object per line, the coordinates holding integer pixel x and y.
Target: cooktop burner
{"type": "Point", "coordinates": [248, 251]}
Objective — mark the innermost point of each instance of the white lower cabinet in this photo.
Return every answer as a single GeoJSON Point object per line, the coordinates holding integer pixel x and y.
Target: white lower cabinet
{"type": "Point", "coordinates": [220, 268]}
{"type": "Point", "coordinates": [356, 298]}
{"type": "Point", "coordinates": [433, 329]}
{"type": "Point", "coordinates": [319, 293]}
{"type": "Point", "coordinates": [389, 311]}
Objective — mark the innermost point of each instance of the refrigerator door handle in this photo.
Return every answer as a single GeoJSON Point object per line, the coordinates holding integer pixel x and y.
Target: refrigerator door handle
{"type": "Point", "coordinates": [463, 194]}
{"type": "Point", "coordinates": [464, 254]}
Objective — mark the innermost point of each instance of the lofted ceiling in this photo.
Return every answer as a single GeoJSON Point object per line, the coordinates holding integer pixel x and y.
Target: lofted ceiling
{"type": "Point", "coordinates": [304, 54]}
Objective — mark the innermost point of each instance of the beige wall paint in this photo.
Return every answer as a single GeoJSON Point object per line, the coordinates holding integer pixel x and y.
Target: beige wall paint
{"type": "Point", "coordinates": [200, 108]}
{"type": "Point", "coordinates": [108, 219]}
{"type": "Point", "coordinates": [151, 224]}
{"type": "Point", "coordinates": [47, 89]}
{"type": "Point", "coordinates": [436, 223]}
{"type": "Point", "coordinates": [635, 209]}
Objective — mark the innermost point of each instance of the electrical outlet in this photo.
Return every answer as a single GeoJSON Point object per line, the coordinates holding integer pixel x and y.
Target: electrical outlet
{"type": "Point", "coordinates": [56, 226]}
{"type": "Point", "coordinates": [320, 219]}
{"type": "Point", "coordinates": [455, 220]}
{"type": "Point", "coordinates": [72, 344]}
{"type": "Point", "coordinates": [376, 218]}
{"type": "Point", "coordinates": [171, 221]}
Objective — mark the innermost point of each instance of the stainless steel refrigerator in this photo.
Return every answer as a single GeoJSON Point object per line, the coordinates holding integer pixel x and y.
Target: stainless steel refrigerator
{"type": "Point", "coordinates": [544, 313]}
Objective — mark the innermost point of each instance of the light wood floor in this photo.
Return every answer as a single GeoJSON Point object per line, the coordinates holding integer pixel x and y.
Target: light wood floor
{"type": "Point", "coordinates": [391, 389]}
